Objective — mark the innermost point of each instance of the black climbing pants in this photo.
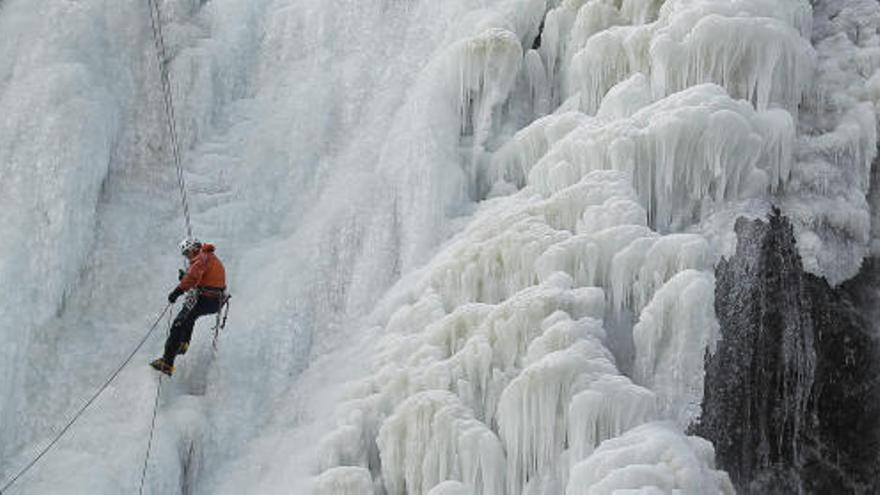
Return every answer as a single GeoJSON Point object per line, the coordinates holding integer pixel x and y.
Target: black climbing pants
{"type": "Point", "coordinates": [182, 328]}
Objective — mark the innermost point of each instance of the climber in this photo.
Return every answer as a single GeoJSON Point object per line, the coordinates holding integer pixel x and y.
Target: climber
{"type": "Point", "coordinates": [205, 280]}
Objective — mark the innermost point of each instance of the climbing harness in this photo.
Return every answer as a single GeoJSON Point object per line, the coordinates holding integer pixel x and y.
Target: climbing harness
{"type": "Point", "coordinates": [88, 403]}
{"type": "Point", "coordinates": [190, 301]}
{"type": "Point", "coordinates": [168, 101]}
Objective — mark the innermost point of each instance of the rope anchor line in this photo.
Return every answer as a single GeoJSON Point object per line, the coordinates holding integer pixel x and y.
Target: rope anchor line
{"type": "Point", "coordinates": [153, 423]}
{"type": "Point", "coordinates": [88, 403]}
{"type": "Point", "coordinates": [150, 441]}
{"type": "Point", "coordinates": [168, 103]}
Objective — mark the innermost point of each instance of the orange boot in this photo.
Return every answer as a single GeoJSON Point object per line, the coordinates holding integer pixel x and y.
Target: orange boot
{"type": "Point", "coordinates": [163, 366]}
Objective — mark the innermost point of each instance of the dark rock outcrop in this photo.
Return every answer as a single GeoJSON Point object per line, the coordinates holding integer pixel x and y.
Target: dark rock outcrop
{"type": "Point", "coordinates": [792, 393]}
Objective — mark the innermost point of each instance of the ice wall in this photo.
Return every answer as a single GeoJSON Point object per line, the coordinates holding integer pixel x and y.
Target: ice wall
{"type": "Point", "coordinates": [63, 104]}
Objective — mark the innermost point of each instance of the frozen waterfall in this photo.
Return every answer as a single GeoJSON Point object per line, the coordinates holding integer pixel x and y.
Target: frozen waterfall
{"type": "Point", "coordinates": [472, 245]}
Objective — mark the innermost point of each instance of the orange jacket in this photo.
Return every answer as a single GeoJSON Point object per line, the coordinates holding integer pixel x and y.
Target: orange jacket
{"type": "Point", "coordinates": [205, 270]}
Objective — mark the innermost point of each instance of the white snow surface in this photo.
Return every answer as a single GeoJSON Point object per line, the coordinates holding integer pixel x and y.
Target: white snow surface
{"type": "Point", "coordinates": [470, 243]}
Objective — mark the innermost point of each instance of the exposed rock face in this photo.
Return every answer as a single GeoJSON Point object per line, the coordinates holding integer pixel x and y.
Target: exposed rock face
{"type": "Point", "coordinates": [792, 394]}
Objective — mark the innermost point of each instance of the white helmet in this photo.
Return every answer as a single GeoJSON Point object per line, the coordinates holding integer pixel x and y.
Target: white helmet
{"type": "Point", "coordinates": [188, 245]}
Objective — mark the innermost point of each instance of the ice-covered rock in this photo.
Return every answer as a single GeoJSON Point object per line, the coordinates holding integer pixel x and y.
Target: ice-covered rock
{"type": "Point", "coordinates": [778, 421]}
{"type": "Point", "coordinates": [653, 458]}
{"type": "Point", "coordinates": [344, 481]}
{"type": "Point", "coordinates": [449, 488]}
{"type": "Point", "coordinates": [828, 200]}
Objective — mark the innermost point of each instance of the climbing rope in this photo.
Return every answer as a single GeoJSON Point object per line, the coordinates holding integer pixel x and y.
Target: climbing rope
{"type": "Point", "coordinates": [152, 424]}
{"type": "Point", "coordinates": [150, 441]}
{"type": "Point", "coordinates": [162, 59]}
{"type": "Point", "coordinates": [86, 406]}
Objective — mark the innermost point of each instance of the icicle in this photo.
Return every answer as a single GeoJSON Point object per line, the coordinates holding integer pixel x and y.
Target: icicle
{"type": "Point", "coordinates": [601, 64]}
{"type": "Point", "coordinates": [684, 153]}
{"type": "Point", "coordinates": [592, 18]}
{"type": "Point", "coordinates": [655, 457]}
{"type": "Point", "coordinates": [431, 438]}
{"type": "Point", "coordinates": [516, 158]}
{"type": "Point", "coordinates": [565, 208]}
{"type": "Point", "coordinates": [561, 332]}
{"type": "Point", "coordinates": [763, 62]}
{"type": "Point", "coordinates": [626, 98]}
{"type": "Point", "coordinates": [344, 481]}
{"type": "Point", "coordinates": [625, 270]}
{"type": "Point", "coordinates": [673, 333]}
{"type": "Point", "coordinates": [640, 11]}
{"type": "Point", "coordinates": [613, 212]}
{"type": "Point", "coordinates": [554, 48]}
{"type": "Point", "coordinates": [344, 446]}
{"type": "Point", "coordinates": [766, 61]}
{"type": "Point", "coordinates": [579, 257]}
{"type": "Point", "coordinates": [611, 406]}
{"type": "Point", "coordinates": [510, 336]}
{"type": "Point", "coordinates": [450, 488]}
{"type": "Point", "coordinates": [489, 63]}
{"type": "Point", "coordinates": [533, 410]}
{"type": "Point", "coordinates": [667, 257]}
{"type": "Point", "coordinates": [536, 76]}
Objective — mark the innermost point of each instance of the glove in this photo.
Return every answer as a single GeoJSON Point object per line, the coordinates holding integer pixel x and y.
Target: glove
{"type": "Point", "coordinates": [172, 297]}
{"type": "Point", "coordinates": [180, 274]}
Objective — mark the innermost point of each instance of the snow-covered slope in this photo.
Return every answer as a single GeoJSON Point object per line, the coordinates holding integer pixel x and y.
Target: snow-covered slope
{"type": "Point", "coordinates": [470, 244]}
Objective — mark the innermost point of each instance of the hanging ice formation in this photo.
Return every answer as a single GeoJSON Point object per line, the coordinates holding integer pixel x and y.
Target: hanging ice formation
{"type": "Point", "coordinates": [556, 345]}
